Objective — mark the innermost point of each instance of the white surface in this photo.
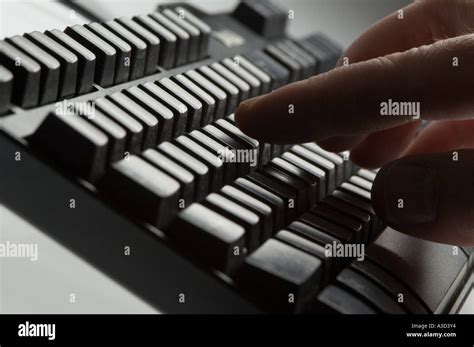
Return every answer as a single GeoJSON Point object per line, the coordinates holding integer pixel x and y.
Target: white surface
{"type": "Point", "coordinates": [45, 286]}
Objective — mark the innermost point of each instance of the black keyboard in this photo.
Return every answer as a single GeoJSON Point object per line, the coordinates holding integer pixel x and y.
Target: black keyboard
{"type": "Point", "coordinates": [118, 140]}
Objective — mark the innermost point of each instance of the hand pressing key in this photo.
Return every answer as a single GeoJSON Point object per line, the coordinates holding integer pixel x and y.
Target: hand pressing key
{"type": "Point", "coordinates": [422, 56]}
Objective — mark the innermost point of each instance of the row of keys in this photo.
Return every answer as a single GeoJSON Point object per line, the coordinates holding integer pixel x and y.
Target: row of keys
{"type": "Point", "coordinates": [258, 204]}
{"type": "Point", "coordinates": [393, 278]}
{"type": "Point", "coordinates": [286, 272]}
{"type": "Point", "coordinates": [55, 65]}
{"type": "Point", "coordinates": [145, 115]}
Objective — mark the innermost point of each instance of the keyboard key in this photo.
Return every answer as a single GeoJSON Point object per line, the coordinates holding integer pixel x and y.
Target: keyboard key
{"type": "Point", "coordinates": [280, 276]}
{"type": "Point", "coordinates": [313, 234]}
{"type": "Point", "coordinates": [229, 89]}
{"type": "Point", "coordinates": [364, 218]}
{"type": "Point", "coordinates": [355, 191]}
{"type": "Point", "coordinates": [214, 239]}
{"type": "Point", "coordinates": [167, 39]}
{"type": "Point", "coordinates": [26, 81]}
{"type": "Point", "coordinates": [328, 45]}
{"type": "Point", "coordinates": [230, 169]}
{"type": "Point", "coordinates": [285, 192]}
{"type": "Point", "coordinates": [142, 190]}
{"type": "Point", "coordinates": [238, 214]}
{"type": "Point", "coordinates": [193, 105]}
{"type": "Point", "coordinates": [367, 174]}
{"type": "Point", "coordinates": [237, 67]}
{"type": "Point", "coordinates": [139, 108]}
{"type": "Point", "coordinates": [263, 17]}
{"type": "Point", "coordinates": [208, 103]}
{"type": "Point", "coordinates": [307, 246]}
{"type": "Point", "coordinates": [194, 165]}
{"type": "Point", "coordinates": [328, 167]}
{"type": "Point", "coordinates": [298, 185]}
{"type": "Point", "coordinates": [105, 53]}
{"type": "Point", "coordinates": [214, 163]}
{"type": "Point", "coordinates": [333, 157]}
{"type": "Point", "coordinates": [326, 53]}
{"type": "Point", "coordinates": [306, 68]}
{"type": "Point", "coordinates": [138, 46]}
{"type": "Point", "coordinates": [179, 110]}
{"type": "Point", "coordinates": [6, 86]}
{"type": "Point", "coordinates": [245, 142]}
{"type": "Point", "coordinates": [361, 182]}
{"type": "Point", "coordinates": [335, 300]}
{"type": "Point", "coordinates": [115, 134]}
{"type": "Point", "coordinates": [151, 40]}
{"type": "Point", "coordinates": [317, 174]}
{"type": "Point", "coordinates": [342, 219]}
{"type": "Point", "coordinates": [392, 286]}
{"type": "Point", "coordinates": [279, 75]}
{"type": "Point", "coordinates": [176, 171]}
{"type": "Point", "coordinates": [182, 38]}
{"type": "Point", "coordinates": [122, 49]}
{"type": "Point", "coordinates": [86, 64]}
{"type": "Point", "coordinates": [342, 234]}
{"type": "Point", "coordinates": [133, 128]}
{"type": "Point", "coordinates": [431, 270]}
{"type": "Point", "coordinates": [305, 58]}
{"type": "Point", "coordinates": [73, 143]}
{"type": "Point", "coordinates": [68, 62]}
{"type": "Point", "coordinates": [217, 93]}
{"type": "Point", "coordinates": [262, 210]}
{"type": "Point", "coordinates": [244, 88]}
{"type": "Point", "coordinates": [194, 33]}
{"type": "Point", "coordinates": [50, 68]}
{"type": "Point", "coordinates": [312, 188]}
{"type": "Point", "coordinates": [203, 27]}
{"type": "Point", "coordinates": [294, 68]}
{"type": "Point", "coordinates": [274, 201]}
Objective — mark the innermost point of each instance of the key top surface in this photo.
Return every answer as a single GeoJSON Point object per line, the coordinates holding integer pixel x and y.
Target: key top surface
{"type": "Point", "coordinates": [87, 60]}
{"type": "Point", "coordinates": [208, 102]}
{"type": "Point", "coordinates": [6, 86]}
{"type": "Point", "coordinates": [276, 270]}
{"type": "Point", "coordinates": [139, 108]}
{"type": "Point", "coordinates": [202, 26]}
{"type": "Point", "coordinates": [133, 128]}
{"type": "Point", "coordinates": [143, 190]}
{"type": "Point", "coordinates": [193, 105]}
{"type": "Point", "coordinates": [238, 214]}
{"type": "Point", "coordinates": [217, 93]}
{"type": "Point", "coordinates": [74, 144]}
{"type": "Point", "coordinates": [182, 38]}
{"type": "Point", "coordinates": [67, 59]}
{"type": "Point", "coordinates": [334, 299]}
{"type": "Point", "coordinates": [194, 33]}
{"type": "Point", "coordinates": [244, 88]}
{"type": "Point", "coordinates": [173, 169]}
{"type": "Point", "coordinates": [105, 53]}
{"type": "Point", "coordinates": [138, 46]}
{"type": "Point", "coordinates": [210, 236]}
{"type": "Point", "coordinates": [151, 40]}
{"type": "Point", "coordinates": [122, 49]}
{"type": "Point", "coordinates": [50, 68]}
{"type": "Point", "coordinates": [167, 40]}
{"type": "Point", "coordinates": [237, 67]}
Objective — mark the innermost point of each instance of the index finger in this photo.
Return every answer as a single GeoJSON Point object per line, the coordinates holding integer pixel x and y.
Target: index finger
{"type": "Point", "coordinates": [423, 83]}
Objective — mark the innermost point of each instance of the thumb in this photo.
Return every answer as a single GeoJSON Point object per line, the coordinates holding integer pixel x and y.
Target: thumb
{"type": "Point", "coordinates": [429, 196]}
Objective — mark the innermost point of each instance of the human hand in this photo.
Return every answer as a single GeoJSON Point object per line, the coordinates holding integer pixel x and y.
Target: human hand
{"type": "Point", "coordinates": [422, 55]}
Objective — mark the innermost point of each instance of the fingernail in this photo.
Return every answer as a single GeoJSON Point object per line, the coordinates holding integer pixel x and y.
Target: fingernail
{"type": "Point", "coordinates": [410, 194]}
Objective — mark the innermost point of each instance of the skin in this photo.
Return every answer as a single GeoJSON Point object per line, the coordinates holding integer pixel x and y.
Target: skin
{"type": "Point", "coordinates": [409, 59]}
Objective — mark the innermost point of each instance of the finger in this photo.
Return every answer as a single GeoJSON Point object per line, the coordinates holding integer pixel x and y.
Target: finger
{"type": "Point", "coordinates": [384, 146]}
{"type": "Point", "coordinates": [429, 196]}
{"type": "Point", "coordinates": [346, 102]}
{"type": "Point", "coordinates": [341, 143]}
{"type": "Point", "coordinates": [443, 136]}
{"type": "Point", "coordinates": [430, 20]}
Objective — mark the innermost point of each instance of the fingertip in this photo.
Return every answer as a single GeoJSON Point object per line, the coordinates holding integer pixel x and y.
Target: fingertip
{"type": "Point", "coordinates": [245, 117]}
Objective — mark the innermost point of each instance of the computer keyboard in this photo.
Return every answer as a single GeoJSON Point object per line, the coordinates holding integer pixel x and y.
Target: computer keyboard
{"type": "Point", "coordinates": [119, 140]}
